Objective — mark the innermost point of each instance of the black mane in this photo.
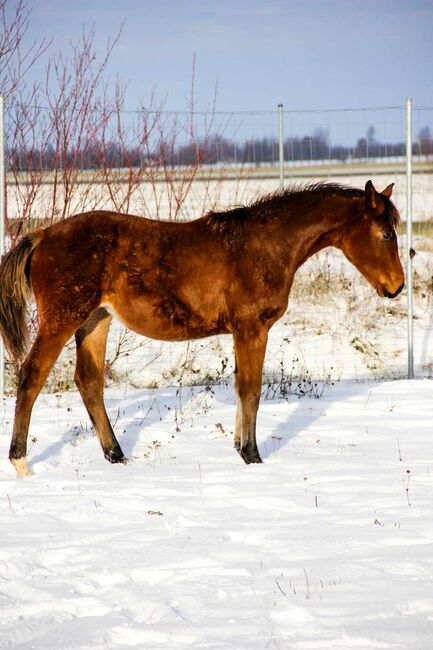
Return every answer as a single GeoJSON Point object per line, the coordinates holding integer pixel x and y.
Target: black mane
{"type": "Point", "coordinates": [313, 190]}
{"type": "Point", "coordinates": [230, 222]}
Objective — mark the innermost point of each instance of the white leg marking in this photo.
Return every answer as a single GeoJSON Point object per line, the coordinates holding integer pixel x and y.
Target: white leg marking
{"type": "Point", "coordinates": [21, 467]}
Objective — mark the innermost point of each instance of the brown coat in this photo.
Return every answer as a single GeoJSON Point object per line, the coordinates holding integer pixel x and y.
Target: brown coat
{"type": "Point", "coordinates": [227, 272]}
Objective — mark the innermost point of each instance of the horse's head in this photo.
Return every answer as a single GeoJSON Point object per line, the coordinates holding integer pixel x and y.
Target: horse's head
{"type": "Point", "coordinates": [370, 242]}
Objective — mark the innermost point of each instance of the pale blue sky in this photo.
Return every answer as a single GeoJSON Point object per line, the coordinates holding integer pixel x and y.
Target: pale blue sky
{"type": "Point", "coordinates": [305, 53]}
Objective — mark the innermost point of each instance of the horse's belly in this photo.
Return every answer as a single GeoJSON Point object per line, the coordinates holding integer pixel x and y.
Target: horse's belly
{"type": "Point", "coordinates": [168, 319]}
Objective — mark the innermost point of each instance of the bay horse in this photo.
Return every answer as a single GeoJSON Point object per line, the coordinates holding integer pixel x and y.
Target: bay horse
{"type": "Point", "coordinates": [226, 272]}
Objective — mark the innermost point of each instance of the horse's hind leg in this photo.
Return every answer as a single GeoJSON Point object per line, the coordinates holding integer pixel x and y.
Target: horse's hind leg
{"type": "Point", "coordinates": [91, 339]}
{"type": "Point", "coordinates": [33, 373]}
{"type": "Point", "coordinates": [238, 421]}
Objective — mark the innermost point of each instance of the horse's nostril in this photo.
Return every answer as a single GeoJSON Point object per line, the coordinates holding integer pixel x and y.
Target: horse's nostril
{"type": "Point", "coordinates": [388, 294]}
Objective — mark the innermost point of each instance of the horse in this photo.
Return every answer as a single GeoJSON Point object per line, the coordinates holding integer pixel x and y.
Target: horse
{"type": "Point", "coordinates": [227, 272]}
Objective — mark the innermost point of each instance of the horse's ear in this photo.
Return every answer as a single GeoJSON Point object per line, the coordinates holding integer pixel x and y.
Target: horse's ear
{"type": "Point", "coordinates": [370, 195]}
{"type": "Point", "coordinates": [388, 190]}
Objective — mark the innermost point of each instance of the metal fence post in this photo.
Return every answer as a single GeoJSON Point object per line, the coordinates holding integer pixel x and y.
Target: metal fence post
{"type": "Point", "coordinates": [2, 230]}
{"type": "Point", "coordinates": [281, 144]}
{"type": "Point", "coordinates": [409, 276]}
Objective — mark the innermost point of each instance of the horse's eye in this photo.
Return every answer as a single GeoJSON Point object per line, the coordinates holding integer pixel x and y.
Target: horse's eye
{"type": "Point", "coordinates": [388, 234]}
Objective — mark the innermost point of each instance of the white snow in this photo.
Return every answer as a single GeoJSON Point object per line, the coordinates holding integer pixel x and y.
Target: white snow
{"type": "Point", "coordinates": [158, 200]}
{"type": "Point", "coordinates": [328, 544]}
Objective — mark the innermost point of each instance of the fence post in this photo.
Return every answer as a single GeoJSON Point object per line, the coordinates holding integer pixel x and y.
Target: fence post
{"type": "Point", "coordinates": [2, 230]}
{"type": "Point", "coordinates": [281, 144]}
{"type": "Point", "coordinates": [409, 276]}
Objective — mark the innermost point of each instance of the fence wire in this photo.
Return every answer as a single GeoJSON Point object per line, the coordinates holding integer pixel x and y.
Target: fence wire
{"type": "Point", "coordinates": [178, 165]}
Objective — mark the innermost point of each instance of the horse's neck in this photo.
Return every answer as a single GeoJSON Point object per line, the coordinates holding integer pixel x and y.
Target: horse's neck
{"type": "Point", "coordinates": [313, 233]}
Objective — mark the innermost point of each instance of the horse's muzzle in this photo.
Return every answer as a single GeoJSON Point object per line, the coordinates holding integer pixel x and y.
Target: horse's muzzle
{"type": "Point", "coordinates": [388, 294]}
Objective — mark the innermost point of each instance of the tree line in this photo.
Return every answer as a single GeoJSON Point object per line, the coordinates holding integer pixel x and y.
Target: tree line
{"type": "Point", "coordinates": [307, 148]}
{"type": "Point", "coordinates": [209, 150]}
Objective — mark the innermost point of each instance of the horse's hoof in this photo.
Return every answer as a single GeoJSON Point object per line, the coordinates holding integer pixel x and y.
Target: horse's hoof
{"type": "Point", "coordinates": [250, 456]}
{"type": "Point", "coordinates": [115, 456]}
{"type": "Point", "coordinates": [252, 459]}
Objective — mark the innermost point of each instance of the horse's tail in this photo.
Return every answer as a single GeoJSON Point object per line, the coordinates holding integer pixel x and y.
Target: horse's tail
{"type": "Point", "coordinates": [15, 292]}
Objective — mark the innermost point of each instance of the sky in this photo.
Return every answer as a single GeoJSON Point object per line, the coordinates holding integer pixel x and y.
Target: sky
{"type": "Point", "coordinates": [306, 54]}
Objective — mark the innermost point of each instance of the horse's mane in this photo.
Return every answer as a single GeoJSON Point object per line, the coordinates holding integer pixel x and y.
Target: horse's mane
{"type": "Point", "coordinates": [230, 222]}
{"type": "Point", "coordinates": [303, 191]}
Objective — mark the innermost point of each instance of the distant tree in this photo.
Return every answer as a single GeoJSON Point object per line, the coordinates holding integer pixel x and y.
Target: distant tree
{"type": "Point", "coordinates": [425, 141]}
{"type": "Point", "coordinates": [361, 149]}
{"type": "Point", "coordinates": [371, 136]}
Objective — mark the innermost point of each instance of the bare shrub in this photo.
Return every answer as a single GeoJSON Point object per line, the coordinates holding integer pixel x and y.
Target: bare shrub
{"type": "Point", "coordinates": [72, 147]}
{"type": "Point", "coordinates": [16, 56]}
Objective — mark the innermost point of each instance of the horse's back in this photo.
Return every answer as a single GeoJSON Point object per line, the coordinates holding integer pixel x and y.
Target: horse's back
{"type": "Point", "coordinates": [164, 280]}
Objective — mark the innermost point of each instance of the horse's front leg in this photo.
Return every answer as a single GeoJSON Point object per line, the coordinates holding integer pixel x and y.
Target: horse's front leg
{"type": "Point", "coordinates": [249, 353]}
{"type": "Point", "coordinates": [91, 339]}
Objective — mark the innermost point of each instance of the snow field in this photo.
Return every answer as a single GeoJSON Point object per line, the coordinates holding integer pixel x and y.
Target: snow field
{"type": "Point", "coordinates": [157, 200]}
{"type": "Point", "coordinates": [328, 544]}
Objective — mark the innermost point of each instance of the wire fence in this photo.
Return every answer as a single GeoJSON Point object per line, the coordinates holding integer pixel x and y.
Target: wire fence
{"type": "Point", "coordinates": [126, 154]}
{"type": "Point", "coordinates": [345, 135]}
{"type": "Point", "coordinates": [39, 137]}
{"type": "Point", "coordinates": [178, 165]}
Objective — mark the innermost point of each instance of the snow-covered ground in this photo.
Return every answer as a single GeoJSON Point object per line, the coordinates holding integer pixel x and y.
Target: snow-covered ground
{"type": "Point", "coordinates": [328, 544]}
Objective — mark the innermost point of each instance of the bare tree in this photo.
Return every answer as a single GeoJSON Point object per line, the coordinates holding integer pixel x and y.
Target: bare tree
{"type": "Point", "coordinates": [73, 146]}
{"type": "Point", "coordinates": [53, 127]}
{"type": "Point", "coordinates": [72, 93]}
{"type": "Point", "coordinates": [16, 57]}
